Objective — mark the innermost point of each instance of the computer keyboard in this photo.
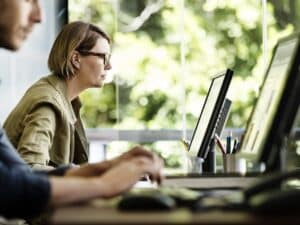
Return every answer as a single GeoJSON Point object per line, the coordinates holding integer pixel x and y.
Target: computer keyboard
{"type": "Point", "coordinates": [210, 181]}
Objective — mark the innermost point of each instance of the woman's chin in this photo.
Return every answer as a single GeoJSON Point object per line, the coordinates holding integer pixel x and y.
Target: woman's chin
{"type": "Point", "coordinates": [98, 84]}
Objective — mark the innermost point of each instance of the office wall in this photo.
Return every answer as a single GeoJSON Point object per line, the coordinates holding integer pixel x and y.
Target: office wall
{"type": "Point", "coordinates": [19, 70]}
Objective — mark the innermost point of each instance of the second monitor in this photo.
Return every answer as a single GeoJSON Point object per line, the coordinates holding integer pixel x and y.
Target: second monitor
{"type": "Point", "coordinates": [204, 131]}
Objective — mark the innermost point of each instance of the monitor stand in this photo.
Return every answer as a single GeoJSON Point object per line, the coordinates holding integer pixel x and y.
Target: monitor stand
{"type": "Point", "coordinates": [209, 164]}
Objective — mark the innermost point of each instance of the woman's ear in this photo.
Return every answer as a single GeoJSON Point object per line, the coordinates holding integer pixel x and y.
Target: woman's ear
{"type": "Point", "coordinates": [75, 60]}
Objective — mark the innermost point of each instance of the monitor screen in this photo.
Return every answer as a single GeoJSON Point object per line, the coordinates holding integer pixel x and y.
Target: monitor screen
{"type": "Point", "coordinates": [263, 129]}
{"type": "Point", "coordinates": [206, 124]}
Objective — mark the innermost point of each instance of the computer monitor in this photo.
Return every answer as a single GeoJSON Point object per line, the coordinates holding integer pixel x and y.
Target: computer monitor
{"type": "Point", "coordinates": [275, 109]}
{"type": "Point", "coordinates": [204, 131]}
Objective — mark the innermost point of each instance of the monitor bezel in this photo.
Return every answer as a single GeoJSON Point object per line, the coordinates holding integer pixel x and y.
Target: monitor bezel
{"type": "Point", "coordinates": [203, 150]}
{"type": "Point", "coordinates": [286, 112]}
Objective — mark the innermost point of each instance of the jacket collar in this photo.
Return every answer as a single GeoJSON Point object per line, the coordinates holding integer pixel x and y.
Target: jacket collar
{"type": "Point", "coordinates": [72, 108]}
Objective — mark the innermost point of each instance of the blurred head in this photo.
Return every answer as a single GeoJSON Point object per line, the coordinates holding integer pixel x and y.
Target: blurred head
{"type": "Point", "coordinates": [17, 19]}
{"type": "Point", "coordinates": [82, 50]}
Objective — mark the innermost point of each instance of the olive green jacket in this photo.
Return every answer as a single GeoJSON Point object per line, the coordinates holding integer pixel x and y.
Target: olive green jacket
{"type": "Point", "coordinates": [46, 128]}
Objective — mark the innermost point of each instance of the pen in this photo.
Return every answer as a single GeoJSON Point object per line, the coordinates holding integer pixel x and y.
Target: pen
{"type": "Point", "coordinates": [185, 144]}
{"type": "Point", "coordinates": [228, 144]}
{"type": "Point", "coordinates": [235, 145]}
{"type": "Point", "coordinates": [219, 143]}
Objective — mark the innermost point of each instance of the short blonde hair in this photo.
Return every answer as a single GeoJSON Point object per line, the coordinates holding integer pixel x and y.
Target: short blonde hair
{"type": "Point", "coordinates": [79, 36]}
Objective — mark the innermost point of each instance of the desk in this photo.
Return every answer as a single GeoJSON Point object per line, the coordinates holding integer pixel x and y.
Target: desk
{"type": "Point", "coordinates": [97, 212]}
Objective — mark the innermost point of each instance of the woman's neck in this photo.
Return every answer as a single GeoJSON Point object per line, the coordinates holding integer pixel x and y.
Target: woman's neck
{"type": "Point", "coordinates": [73, 88]}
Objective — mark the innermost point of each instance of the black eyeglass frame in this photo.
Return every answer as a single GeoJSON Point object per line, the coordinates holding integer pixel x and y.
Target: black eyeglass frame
{"type": "Point", "coordinates": [104, 56]}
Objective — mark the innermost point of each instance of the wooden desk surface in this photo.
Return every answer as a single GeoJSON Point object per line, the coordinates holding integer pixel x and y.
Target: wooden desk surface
{"type": "Point", "coordinates": [98, 212]}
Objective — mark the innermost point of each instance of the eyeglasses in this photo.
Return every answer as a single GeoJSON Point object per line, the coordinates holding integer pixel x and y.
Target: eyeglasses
{"type": "Point", "coordinates": [104, 56]}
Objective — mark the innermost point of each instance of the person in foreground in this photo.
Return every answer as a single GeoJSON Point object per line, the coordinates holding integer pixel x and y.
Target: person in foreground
{"type": "Point", "coordinates": [24, 193]}
{"type": "Point", "coordinates": [39, 126]}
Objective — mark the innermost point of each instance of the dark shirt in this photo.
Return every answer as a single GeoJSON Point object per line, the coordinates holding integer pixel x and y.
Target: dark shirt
{"type": "Point", "coordinates": [23, 193]}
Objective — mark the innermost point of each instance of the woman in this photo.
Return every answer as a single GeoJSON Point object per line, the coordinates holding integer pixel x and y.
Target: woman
{"type": "Point", "coordinates": [45, 126]}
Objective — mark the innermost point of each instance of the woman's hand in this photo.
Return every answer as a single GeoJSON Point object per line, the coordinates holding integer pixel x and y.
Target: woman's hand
{"type": "Point", "coordinates": [132, 153]}
{"type": "Point", "coordinates": [89, 169]}
{"type": "Point", "coordinates": [96, 169]}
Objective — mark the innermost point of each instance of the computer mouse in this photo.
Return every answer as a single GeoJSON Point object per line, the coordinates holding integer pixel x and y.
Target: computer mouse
{"type": "Point", "coordinates": [277, 201]}
{"type": "Point", "coordinates": [146, 202]}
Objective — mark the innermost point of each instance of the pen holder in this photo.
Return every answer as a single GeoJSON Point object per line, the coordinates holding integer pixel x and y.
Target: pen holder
{"type": "Point", "coordinates": [233, 164]}
{"type": "Point", "coordinates": [194, 165]}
